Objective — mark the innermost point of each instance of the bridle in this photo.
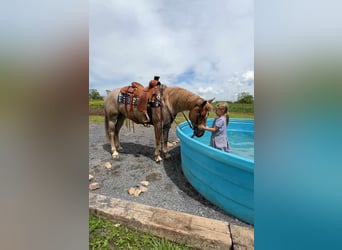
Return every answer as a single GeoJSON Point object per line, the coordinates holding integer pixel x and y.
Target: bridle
{"type": "Point", "coordinates": [195, 127]}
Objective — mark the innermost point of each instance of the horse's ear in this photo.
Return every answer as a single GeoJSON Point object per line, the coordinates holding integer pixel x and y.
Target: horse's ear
{"type": "Point", "coordinates": [211, 100]}
{"type": "Point", "coordinates": [203, 103]}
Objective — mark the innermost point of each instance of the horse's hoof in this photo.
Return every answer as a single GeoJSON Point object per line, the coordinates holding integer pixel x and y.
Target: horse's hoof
{"type": "Point", "coordinates": [115, 155]}
{"type": "Point", "coordinates": [120, 149]}
{"type": "Point", "coordinates": [158, 159]}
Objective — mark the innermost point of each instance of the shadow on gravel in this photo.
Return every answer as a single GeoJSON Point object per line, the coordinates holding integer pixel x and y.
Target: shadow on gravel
{"type": "Point", "coordinates": [173, 168]}
{"type": "Point", "coordinates": [134, 149]}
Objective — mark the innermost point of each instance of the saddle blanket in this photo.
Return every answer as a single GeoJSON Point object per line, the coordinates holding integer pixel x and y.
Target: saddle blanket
{"type": "Point", "coordinates": [126, 99]}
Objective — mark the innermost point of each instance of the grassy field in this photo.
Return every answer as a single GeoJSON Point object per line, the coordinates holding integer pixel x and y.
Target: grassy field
{"type": "Point", "coordinates": [179, 118]}
{"type": "Point", "coordinates": [104, 234]}
{"type": "Point", "coordinates": [96, 118]}
{"type": "Point", "coordinates": [233, 107]}
{"type": "Point", "coordinates": [95, 104]}
{"type": "Point", "coordinates": [236, 110]}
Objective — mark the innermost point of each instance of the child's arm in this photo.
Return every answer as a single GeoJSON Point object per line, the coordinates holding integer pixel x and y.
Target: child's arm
{"type": "Point", "coordinates": [211, 129]}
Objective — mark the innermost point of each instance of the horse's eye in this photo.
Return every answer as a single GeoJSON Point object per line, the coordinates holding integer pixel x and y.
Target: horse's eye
{"type": "Point", "coordinates": [205, 115]}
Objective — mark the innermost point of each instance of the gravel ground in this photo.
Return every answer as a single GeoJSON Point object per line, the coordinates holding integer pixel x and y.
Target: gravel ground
{"type": "Point", "coordinates": [168, 188]}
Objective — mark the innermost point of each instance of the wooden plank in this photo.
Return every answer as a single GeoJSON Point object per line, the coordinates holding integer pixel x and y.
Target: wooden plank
{"type": "Point", "coordinates": [243, 237]}
{"type": "Point", "coordinates": [195, 231]}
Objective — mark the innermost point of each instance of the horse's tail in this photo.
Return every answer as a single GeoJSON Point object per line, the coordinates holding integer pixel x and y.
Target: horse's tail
{"type": "Point", "coordinates": [106, 125]}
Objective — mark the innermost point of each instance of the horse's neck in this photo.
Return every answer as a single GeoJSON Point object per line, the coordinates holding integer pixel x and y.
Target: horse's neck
{"type": "Point", "coordinates": [181, 100]}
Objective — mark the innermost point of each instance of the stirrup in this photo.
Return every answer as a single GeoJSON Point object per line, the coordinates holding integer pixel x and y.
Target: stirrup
{"type": "Point", "coordinates": [147, 118]}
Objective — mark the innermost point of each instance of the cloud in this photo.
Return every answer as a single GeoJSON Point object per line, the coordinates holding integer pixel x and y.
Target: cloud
{"type": "Point", "coordinates": [209, 90]}
{"type": "Point", "coordinates": [199, 45]}
{"type": "Point", "coordinates": [248, 75]}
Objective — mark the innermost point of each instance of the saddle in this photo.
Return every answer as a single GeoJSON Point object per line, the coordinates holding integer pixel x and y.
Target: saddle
{"type": "Point", "coordinates": [143, 95]}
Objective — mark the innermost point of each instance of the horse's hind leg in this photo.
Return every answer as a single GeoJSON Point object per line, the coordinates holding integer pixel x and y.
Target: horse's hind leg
{"type": "Point", "coordinates": [118, 125]}
{"type": "Point", "coordinates": [110, 123]}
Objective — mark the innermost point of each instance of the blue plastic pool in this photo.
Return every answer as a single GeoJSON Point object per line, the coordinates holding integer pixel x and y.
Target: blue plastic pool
{"type": "Point", "coordinates": [225, 179]}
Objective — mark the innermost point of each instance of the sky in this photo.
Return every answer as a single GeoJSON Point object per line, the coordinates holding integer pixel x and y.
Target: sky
{"type": "Point", "coordinates": [206, 47]}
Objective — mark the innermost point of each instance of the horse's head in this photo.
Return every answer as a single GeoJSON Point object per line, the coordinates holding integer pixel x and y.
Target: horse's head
{"type": "Point", "coordinates": [198, 116]}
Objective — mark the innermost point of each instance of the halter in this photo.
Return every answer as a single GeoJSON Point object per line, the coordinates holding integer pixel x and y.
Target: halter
{"type": "Point", "coordinates": [195, 127]}
{"type": "Point", "coordinates": [173, 118]}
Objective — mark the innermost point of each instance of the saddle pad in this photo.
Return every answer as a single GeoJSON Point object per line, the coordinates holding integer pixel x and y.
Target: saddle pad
{"type": "Point", "coordinates": [126, 99]}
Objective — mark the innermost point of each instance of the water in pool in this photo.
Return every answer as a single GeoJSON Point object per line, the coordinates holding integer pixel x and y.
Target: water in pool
{"type": "Point", "coordinates": [241, 142]}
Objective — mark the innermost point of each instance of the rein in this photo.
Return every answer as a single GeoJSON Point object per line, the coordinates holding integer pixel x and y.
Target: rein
{"type": "Point", "coordinates": [174, 118]}
{"type": "Point", "coordinates": [161, 118]}
{"type": "Point", "coordinates": [187, 120]}
{"type": "Point", "coordinates": [189, 123]}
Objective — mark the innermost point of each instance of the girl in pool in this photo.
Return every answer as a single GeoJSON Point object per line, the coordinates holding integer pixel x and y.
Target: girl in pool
{"type": "Point", "coordinates": [219, 137]}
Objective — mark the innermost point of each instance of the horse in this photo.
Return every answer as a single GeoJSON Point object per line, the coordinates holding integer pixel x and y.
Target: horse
{"type": "Point", "coordinates": [172, 100]}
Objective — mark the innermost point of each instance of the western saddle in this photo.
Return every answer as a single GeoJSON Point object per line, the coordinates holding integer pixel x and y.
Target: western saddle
{"type": "Point", "coordinates": [143, 95]}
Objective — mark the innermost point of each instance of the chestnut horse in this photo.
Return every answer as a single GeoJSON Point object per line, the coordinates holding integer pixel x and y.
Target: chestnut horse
{"type": "Point", "coordinates": [173, 101]}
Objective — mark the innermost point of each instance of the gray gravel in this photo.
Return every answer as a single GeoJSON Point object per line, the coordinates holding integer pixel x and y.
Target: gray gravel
{"type": "Point", "coordinates": [168, 186]}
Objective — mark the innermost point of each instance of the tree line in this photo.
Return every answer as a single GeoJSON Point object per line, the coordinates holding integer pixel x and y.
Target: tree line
{"type": "Point", "coordinates": [94, 95]}
{"type": "Point", "coordinates": [244, 97]}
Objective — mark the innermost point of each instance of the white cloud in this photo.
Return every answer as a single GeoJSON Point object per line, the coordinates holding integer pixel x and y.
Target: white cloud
{"type": "Point", "coordinates": [199, 45]}
{"type": "Point", "coordinates": [248, 75]}
{"type": "Point", "coordinates": [209, 90]}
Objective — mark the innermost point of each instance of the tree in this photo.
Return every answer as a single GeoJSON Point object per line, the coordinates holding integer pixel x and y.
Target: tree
{"type": "Point", "coordinates": [94, 95]}
{"type": "Point", "coordinates": [245, 97]}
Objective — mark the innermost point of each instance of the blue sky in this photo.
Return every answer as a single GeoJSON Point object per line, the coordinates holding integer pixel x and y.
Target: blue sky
{"type": "Point", "coordinates": [204, 46]}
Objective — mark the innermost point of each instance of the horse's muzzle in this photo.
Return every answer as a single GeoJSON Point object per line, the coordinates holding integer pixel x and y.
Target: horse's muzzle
{"type": "Point", "coordinates": [198, 132]}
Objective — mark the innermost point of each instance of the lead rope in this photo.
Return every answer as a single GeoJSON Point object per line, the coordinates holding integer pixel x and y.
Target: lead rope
{"type": "Point", "coordinates": [161, 118]}
{"type": "Point", "coordinates": [174, 119]}
{"type": "Point", "coordinates": [189, 123]}
{"type": "Point", "coordinates": [187, 120]}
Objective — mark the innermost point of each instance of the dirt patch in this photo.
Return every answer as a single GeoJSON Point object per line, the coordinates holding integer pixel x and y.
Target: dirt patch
{"type": "Point", "coordinates": [154, 177]}
{"type": "Point", "coordinates": [96, 111]}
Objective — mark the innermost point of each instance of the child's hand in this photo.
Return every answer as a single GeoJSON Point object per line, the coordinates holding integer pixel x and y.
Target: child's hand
{"type": "Point", "coordinates": [201, 126]}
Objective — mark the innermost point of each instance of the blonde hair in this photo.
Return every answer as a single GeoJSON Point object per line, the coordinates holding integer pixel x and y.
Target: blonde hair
{"type": "Point", "coordinates": [223, 106]}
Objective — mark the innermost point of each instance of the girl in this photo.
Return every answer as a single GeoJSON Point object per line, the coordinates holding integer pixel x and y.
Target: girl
{"type": "Point", "coordinates": [219, 138]}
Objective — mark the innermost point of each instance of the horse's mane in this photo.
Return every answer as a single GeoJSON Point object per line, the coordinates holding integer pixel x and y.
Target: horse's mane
{"type": "Point", "coordinates": [180, 98]}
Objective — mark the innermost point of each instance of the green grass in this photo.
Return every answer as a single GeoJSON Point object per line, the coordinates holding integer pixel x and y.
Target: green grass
{"type": "Point", "coordinates": [104, 234]}
{"type": "Point", "coordinates": [241, 115]}
{"type": "Point", "coordinates": [236, 110]}
{"type": "Point", "coordinates": [95, 103]}
{"type": "Point", "coordinates": [96, 118]}
{"type": "Point", "coordinates": [241, 108]}
{"type": "Point", "coordinates": [233, 107]}
{"type": "Point", "coordinates": [180, 117]}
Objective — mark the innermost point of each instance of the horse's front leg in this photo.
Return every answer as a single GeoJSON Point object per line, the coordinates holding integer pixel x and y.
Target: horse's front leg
{"type": "Point", "coordinates": [157, 135]}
